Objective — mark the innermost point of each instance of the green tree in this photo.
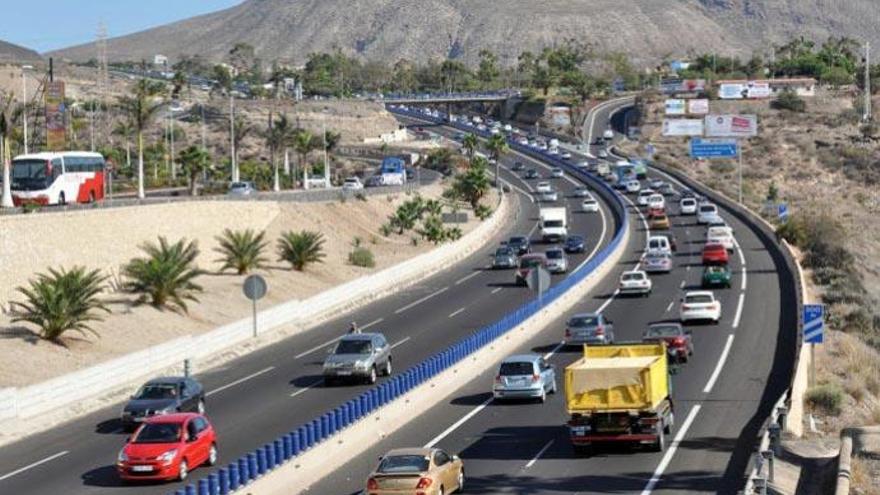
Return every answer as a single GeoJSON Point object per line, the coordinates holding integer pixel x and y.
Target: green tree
{"type": "Point", "coordinates": [242, 251]}
{"type": "Point", "coordinates": [177, 83]}
{"type": "Point", "coordinates": [279, 135]}
{"type": "Point", "coordinates": [301, 249]}
{"type": "Point", "coordinates": [140, 109]}
{"type": "Point", "coordinates": [242, 58]}
{"type": "Point", "coordinates": [472, 185]}
{"type": "Point", "coordinates": [470, 143]}
{"type": "Point", "coordinates": [125, 130]}
{"type": "Point", "coordinates": [223, 77]}
{"type": "Point", "coordinates": [61, 301]}
{"type": "Point", "coordinates": [789, 100]}
{"type": "Point", "coordinates": [166, 276]}
{"type": "Point", "coordinates": [195, 161]}
{"type": "Point", "coordinates": [440, 160]}
{"type": "Point", "coordinates": [303, 144]}
{"type": "Point", "coordinates": [497, 146]}
{"type": "Point", "coordinates": [488, 71]}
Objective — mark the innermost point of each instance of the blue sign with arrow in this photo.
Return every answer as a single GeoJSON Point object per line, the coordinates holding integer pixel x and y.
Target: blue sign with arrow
{"type": "Point", "coordinates": [814, 323]}
{"type": "Point", "coordinates": [714, 148]}
{"type": "Point", "coordinates": [782, 209]}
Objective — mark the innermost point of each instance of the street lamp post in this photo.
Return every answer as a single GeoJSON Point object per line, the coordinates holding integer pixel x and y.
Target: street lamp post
{"type": "Point", "coordinates": [24, 68]}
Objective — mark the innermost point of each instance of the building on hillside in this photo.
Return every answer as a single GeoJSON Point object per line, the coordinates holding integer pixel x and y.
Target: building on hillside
{"type": "Point", "coordinates": [737, 89]}
{"type": "Point", "coordinates": [160, 61]}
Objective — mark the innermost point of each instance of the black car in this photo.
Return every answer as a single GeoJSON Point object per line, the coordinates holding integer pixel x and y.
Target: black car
{"type": "Point", "coordinates": [518, 167]}
{"type": "Point", "coordinates": [532, 174]}
{"type": "Point", "coordinates": [575, 244]}
{"type": "Point", "coordinates": [520, 244]}
{"type": "Point", "coordinates": [165, 395]}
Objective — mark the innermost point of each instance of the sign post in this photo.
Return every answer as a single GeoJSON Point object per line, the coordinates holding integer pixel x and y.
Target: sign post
{"type": "Point", "coordinates": [538, 281]}
{"type": "Point", "coordinates": [813, 333]}
{"type": "Point", "coordinates": [254, 288]}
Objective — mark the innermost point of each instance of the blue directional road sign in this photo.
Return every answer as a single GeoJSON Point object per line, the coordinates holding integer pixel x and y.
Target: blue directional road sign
{"type": "Point", "coordinates": [782, 210]}
{"type": "Point", "coordinates": [650, 149]}
{"type": "Point", "coordinates": [714, 148]}
{"type": "Point", "coordinates": [814, 323]}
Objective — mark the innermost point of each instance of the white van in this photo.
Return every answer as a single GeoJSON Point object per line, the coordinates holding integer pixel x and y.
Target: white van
{"type": "Point", "coordinates": [658, 244]}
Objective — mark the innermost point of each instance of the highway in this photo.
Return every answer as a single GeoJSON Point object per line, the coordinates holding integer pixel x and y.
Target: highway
{"type": "Point", "coordinates": [722, 396]}
{"type": "Point", "coordinates": [258, 397]}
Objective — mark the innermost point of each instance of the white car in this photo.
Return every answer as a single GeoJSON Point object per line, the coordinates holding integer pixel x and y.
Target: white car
{"type": "Point", "coordinates": [635, 282]}
{"type": "Point", "coordinates": [590, 205]}
{"type": "Point", "coordinates": [633, 186]}
{"type": "Point", "coordinates": [566, 155]}
{"type": "Point", "coordinates": [523, 142]}
{"type": "Point", "coordinates": [549, 196]}
{"type": "Point", "coordinates": [688, 206]}
{"type": "Point", "coordinates": [644, 194]}
{"type": "Point", "coordinates": [721, 235]}
{"type": "Point", "coordinates": [508, 128]}
{"type": "Point", "coordinates": [543, 187]}
{"type": "Point", "coordinates": [656, 201]}
{"type": "Point", "coordinates": [557, 261]}
{"type": "Point", "coordinates": [700, 306]}
{"type": "Point", "coordinates": [581, 192]}
{"type": "Point", "coordinates": [608, 134]}
{"type": "Point", "coordinates": [352, 184]}
{"type": "Point", "coordinates": [602, 154]}
{"type": "Point", "coordinates": [706, 212]}
{"type": "Point", "coordinates": [557, 173]}
{"type": "Point", "coordinates": [656, 184]}
{"type": "Point", "coordinates": [658, 244]}
{"type": "Point", "coordinates": [583, 165]}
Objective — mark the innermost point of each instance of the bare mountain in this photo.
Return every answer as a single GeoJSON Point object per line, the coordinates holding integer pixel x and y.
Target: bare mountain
{"type": "Point", "coordinates": [420, 29]}
{"type": "Point", "coordinates": [10, 53]}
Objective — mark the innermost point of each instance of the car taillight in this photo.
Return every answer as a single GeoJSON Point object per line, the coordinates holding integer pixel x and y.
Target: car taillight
{"type": "Point", "coordinates": [567, 333]}
{"type": "Point", "coordinates": [678, 341]}
{"type": "Point", "coordinates": [600, 330]}
{"type": "Point", "coordinates": [685, 307]}
{"type": "Point", "coordinates": [424, 483]}
{"type": "Point", "coordinates": [498, 379]}
{"type": "Point", "coordinates": [372, 484]}
{"type": "Point", "coordinates": [535, 378]}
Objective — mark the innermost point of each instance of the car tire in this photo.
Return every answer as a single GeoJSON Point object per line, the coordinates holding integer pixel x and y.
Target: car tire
{"type": "Point", "coordinates": [553, 388]}
{"type": "Point", "coordinates": [461, 481]}
{"type": "Point", "coordinates": [660, 444]}
{"type": "Point", "coordinates": [388, 369]}
{"type": "Point", "coordinates": [543, 398]}
{"type": "Point", "coordinates": [182, 470]}
{"type": "Point", "coordinates": [212, 455]}
{"type": "Point", "coordinates": [200, 407]}
{"type": "Point", "coordinates": [373, 376]}
{"type": "Point", "coordinates": [667, 428]}
{"type": "Point", "coordinates": [62, 200]}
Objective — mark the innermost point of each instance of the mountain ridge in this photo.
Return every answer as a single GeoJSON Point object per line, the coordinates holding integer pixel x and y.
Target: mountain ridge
{"type": "Point", "coordinates": [10, 52]}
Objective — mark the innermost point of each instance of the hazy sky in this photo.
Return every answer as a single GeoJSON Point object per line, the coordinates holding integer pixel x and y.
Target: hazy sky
{"type": "Point", "coordinates": [50, 24]}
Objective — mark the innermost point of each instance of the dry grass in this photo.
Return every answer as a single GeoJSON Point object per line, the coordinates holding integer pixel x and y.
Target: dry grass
{"type": "Point", "coordinates": [865, 476]}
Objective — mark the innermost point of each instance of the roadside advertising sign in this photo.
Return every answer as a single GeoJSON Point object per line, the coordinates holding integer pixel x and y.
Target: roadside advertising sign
{"type": "Point", "coordinates": [675, 107]}
{"type": "Point", "coordinates": [731, 126]}
{"type": "Point", "coordinates": [698, 107]}
{"type": "Point", "coordinates": [673, 86]}
{"type": "Point", "coordinates": [732, 91]}
{"type": "Point", "coordinates": [758, 90]}
{"type": "Point", "coordinates": [682, 127]}
{"type": "Point", "coordinates": [56, 130]}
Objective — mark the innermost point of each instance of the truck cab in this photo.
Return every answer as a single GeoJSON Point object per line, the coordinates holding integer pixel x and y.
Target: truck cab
{"type": "Point", "coordinates": [554, 224]}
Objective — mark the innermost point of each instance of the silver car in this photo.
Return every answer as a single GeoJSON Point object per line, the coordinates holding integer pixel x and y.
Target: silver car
{"type": "Point", "coordinates": [524, 376]}
{"type": "Point", "coordinates": [242, 189]}
{"type": "Point", "coordinates": [656, 262]}
{"type": "Point", "coordinates": [359, 356]}
{"type": "Point", "coordinates": [589, 328]}
{"type": "Point", "coordinates": [557, 261]}
{"type": "Point", "coordinates": [505, 257]}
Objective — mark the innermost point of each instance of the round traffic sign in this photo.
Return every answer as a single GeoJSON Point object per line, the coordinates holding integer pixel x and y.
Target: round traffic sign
{"type": "Point", "coordinates": [255, 287]}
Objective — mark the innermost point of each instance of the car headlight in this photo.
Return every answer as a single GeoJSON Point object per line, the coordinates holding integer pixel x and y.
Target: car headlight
{"type": "Point", "coordinates": [167, 410]}
{"type": "Point", "coordinates": [122, 457]}
{"type": "Point", "coordinates": [167, 457]}
{"type": "Point", "coordinates": [362, 364]}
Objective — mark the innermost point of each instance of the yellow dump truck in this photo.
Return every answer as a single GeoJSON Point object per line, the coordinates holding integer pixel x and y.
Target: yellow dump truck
{"type": "Point", "coordinates": [619, 393]}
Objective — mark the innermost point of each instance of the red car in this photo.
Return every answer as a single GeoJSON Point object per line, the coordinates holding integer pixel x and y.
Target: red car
{"type": "Point", "coordinates": [714, 253]}
{"type": "Point", "coordinates": [168, 447]}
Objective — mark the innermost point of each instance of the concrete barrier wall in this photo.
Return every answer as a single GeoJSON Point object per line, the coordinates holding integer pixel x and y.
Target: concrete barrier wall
{"type": "Point", "coordinates": [128, 371]}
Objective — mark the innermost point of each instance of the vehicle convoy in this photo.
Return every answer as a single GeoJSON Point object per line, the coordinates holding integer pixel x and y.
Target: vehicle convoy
{"type": "Point", "coordinates": [418, 471]}
{"type": "Point", "coordinates": [359, 356]}
{"type": "Point", "coordinates": [554, 224]}
{"type": "Point", "coordinates": [619, 393]}
{"type": "Point", "coordinates": [57, 178]}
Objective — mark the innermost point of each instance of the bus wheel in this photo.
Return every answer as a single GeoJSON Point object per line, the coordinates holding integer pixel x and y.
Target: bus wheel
{"type": "Point", "coordinates": [61, 199]}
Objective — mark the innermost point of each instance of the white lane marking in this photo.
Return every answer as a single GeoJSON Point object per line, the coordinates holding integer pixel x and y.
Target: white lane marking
{"type": "Point", "coordinates": [683, 283]}
{"type": "Point", "coordinates": [601, 239]}
{"type": "Point", "coordinates": [739, 310]}
{"type": "Point", "coordinates": [667, 458]}
{"type": "Point", "coordinates": [404, 341]}
{"type": "Point", "coordinates": [538, 455]}
{"type": "Point", "coordinates": [240, 380]}
{"type": "Point", "coordinates": [688, 268]}
{"type": "Point", "coordinates": [554, 351]}
{"type": "Point", "coordinates": [465, 279]}
{"type": "Point", "coordinates": [337, 339]}
{"type": "Point", "coordinates": [458, 423]}
{"type": "Point", "coordinates": [719, 366]}
{"type": "Point", "coordinates": [307, 387]}
{"type": "Point", "coordinates": [457, 312]}
{"type": "Point", "coordinates": [610, 299]}
{"type": "Point", "coordinates": [744, 278]}
{"type": "Point", "coordinates": [420, 301]}
{"type": "Point", "coordinates": [496, 291]}
{"type": "Point", "coordinates": [742, 257]}
{"type": "Point", "coordinates": [669, 308]}
{"type": "Point", "coordinates": [35, 464]}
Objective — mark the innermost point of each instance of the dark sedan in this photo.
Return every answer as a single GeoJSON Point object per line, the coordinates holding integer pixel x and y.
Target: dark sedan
{"type": "Point", "coordinates": [532, 174]}
{"type": "Point", "coordinates": [575, 244]}
{"type": "Point", "coordinates": [520, 244]}
{"type": "Point", "coordinates": [161, 396]}
{"type": "Point", "coordinates": [679, 344]}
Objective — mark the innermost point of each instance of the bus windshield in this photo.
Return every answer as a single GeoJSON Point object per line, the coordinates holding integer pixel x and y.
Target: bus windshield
{"type": "Point", "coordinates": [29, 175]}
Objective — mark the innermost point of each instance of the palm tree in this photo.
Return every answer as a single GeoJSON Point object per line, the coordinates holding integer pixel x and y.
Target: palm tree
{"type": "Point", "coordinates": [60, 302]}
{"type": "Point", "coordinates": [6, 200]}
{"type": "Point", "coordinates": [140, 110]}
{"type": "Point", "coordinates": [301, 248]}
{"type": "Point", "coordinates": [470, 143]}
{"type": "Point", "coordinates": [497, 146]}
{"type": "Point", "coordinates": [166, 276]}
{"type": "Point", "coordinates": [472, 185]}
{"type": "Point", "coordinates": [303, 144]}
{"type": "Point", "coordinates": [195, 161]}
{"type": "Point", "coordinates": [242, 251]}
{"type": "Point", "coordinates": [125, 129]}
{"type": "Point", "coordinates": [279, 134]}
{"type": "Point", "coordinates": [243, 129]}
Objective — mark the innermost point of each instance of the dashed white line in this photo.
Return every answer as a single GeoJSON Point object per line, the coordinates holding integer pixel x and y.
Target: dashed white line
{"type": "Point", "coordinates": [744, 278]}
{"type": "Point", "coordinates": [669, 308]}
{"type": "Point", "coordinates": [420, 301]}
{"type": "Point", "coordinates": [456, 312]}
{"type": "Point", "coordinates": [667, 458]}
{"type": "Point", "coordinates": [468, 277]}
{"type": "Point", "coordinates": [458, 423]}
{"type": "Point", "coordinates": [538, 455]}
{"type": "Point", "coordinates": [33, 465]}
{"type": "Point", "coordinates": [683, 283]}
{"type": "Point", "coordinates": [497, 290]}
{"type": "Point", "coordinates": [404, 341]}
{"type": "Point", "coordinates": [307, 387]}
{"type": "Point", "coordinates": [739, 310]}
{"type": "Point", "coordinates": [554, 351]}
{"type": "Point", "coordinates": [240, 380]}
{"type": "Point", "coordinates": [333, 341]}
{"type": "Point", "coordinates": [719, 366]}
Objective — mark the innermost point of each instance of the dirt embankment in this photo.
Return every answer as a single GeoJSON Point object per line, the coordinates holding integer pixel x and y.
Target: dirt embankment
{"type": "Point", "coordinates": [107, 239]}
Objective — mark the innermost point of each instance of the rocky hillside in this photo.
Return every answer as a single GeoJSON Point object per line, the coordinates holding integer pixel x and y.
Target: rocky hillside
{"type": "Point", "coordinates": [420, 29]}
{"type": "Point", "coordinates": [13, 53]}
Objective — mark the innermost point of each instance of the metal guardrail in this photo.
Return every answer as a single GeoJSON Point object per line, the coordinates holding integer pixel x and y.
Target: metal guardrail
{"type": "Point", "coordinates": [301, 439]}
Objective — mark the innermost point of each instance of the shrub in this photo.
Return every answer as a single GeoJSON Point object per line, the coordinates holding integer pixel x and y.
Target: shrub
{"type": "Point", "coordinates": [242, 251]}
{"type": "Point", "coordinates": [386, 229]}
{"type": "Point", "coordinates": [301, 249]}
{"type": "Point", "coordinates": [166, 276]}
{"type": "Point", "coordinates": [60, 302]}
{"type": "Point", "coordinates": [789, 100]}
{"type": "Point", "coordinates": [362, 257]}
{"type": "Point", "coordinates": [483, 212]}
{"type": "Point", "coordinates": [432, 229]}
{"type": "Point", "coordinates": [454, 233]}
{"type": "Point", "coordinates": [827, 397]}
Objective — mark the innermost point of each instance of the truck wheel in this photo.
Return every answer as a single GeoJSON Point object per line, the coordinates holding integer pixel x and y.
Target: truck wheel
{"type": "Point", "coordinates": [660, 444]}
{"type": "Point", "coordinates": [667, 428]}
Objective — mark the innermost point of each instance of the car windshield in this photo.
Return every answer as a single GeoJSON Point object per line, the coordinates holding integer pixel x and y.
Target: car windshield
{"type": "Point", "coordinates": [503, 251]}
{"type": "Point", "coordinates": [29, 174]}
{"type": "Point", "coordinates": [656, 244]}
{"type": "Point", "coordinates": [403, 464]}
{"type": "Point", "coordinates": [663, 331]}
{"type": "Point", "coordinates": [573, 240]}
{"type": "Point", "coordinates": [583, 321]}
{"type": "Point", "coordinates": [716, 270]}
{"type": "Point", "coordinates": [698, 299]}
{"type": "Point", "coordinates": [553, 223]}
{"type": "Point", "coordinates": [157, 391]}
{"type": "Point", "coordinates": [239, 185]}
{"type": "Point", "coordinates": [516, 369]}
{"type": "Point", "coordinates": [554, 254]}
{"type": "Point", "coordinates": [589, 201]}
{"type": "Point", "coordinates": [714, 247]}
{"type": "Point", "coordinates": [633, 276]}
{"type": "Point", "coordinates": [354, 346]}
{"type": "Point", "coordinates": [158, 433]}
{"type": "Point", "coordinates": [517, 240]}
{"type": "Point", "coordinates": [708, 209]}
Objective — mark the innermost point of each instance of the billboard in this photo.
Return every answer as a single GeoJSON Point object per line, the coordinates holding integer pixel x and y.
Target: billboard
{"type": "Point", "coordinates": [758, 90]}
{"type": "Point", "coordinates": [56, 130]}
{"type": "Point", "coordinates": [682, 127]}
{"type": "Point", "coordinates": [732, 91]}
{"type": "Point", "coordinates": [731, 125]}
{"type": "Point", "coordinates": [698, 107]}
{"type": "Point", "coordinates": [673, 86]}
{"type": "Point", "coordinates": [675, 107]}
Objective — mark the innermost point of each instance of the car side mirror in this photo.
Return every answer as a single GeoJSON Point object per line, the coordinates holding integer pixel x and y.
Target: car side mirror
{"type": "Point", "coordinates": [455, 458]}
{"type": "Point", "coordinates": [192, 438]}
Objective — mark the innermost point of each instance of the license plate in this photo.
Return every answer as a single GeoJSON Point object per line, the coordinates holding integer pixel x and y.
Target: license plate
{"type": "Point", "coordinates": [142, 469]}
{"type": "Point", "coordinates": [344, 373]}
